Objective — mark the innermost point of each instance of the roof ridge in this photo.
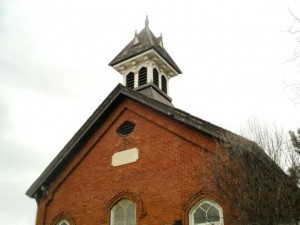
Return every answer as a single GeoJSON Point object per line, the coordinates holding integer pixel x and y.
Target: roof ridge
{"type": "Point", "coordinates": [149, 34]}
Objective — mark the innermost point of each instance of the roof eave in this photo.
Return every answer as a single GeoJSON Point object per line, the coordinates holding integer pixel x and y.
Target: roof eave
{"type": "Point", "coordinates": [174, 67]}
{"type": "Point", "coordinates": [74, 141]}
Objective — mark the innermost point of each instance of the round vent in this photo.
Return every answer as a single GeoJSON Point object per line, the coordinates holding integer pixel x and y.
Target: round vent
{"type": "Point", "coordinates": [125, 128]}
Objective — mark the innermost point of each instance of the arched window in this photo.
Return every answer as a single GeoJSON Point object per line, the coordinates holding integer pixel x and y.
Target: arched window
{"type": "Point", "coordinates": [164, 84]}
{"type": "Point", "coordinates": [142, 76]}
{"type": "Point", "coordinates": [155, 77]}
{"type": "Point", "coordinates": [123, 213]}
{"type": "Point", "coordinates": [62, 222]}
{"type": "Point", "coordinates": [130, 80]}
{"type": "Point", "coordinates": [206, 212]}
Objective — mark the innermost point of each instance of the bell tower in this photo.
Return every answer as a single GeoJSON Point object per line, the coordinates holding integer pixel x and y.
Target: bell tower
{"type": "Point", "coordinates": [146, 66]}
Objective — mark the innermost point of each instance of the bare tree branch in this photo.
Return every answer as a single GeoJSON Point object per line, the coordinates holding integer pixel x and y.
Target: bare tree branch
{"type": "Point", "coordinates": [294, 86]}
{"type": "Point", "coordinates": [255, 185]}
{"type": "Point", "coordinates": [245, 177]}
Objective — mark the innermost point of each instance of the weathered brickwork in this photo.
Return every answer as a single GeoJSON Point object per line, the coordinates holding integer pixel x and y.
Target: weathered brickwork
{"type": "Point", "coordinates": [164, 182]}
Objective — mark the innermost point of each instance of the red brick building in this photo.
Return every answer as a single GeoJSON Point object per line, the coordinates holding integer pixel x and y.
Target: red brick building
{"type": "Point", "coordinates": [133, 161]}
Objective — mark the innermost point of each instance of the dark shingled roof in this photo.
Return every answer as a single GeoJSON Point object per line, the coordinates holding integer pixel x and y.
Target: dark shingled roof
{"type": "Point", "coordinates": [146, 41]}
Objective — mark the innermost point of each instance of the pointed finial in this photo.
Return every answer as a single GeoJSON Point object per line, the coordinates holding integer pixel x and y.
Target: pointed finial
{"type": "Point", "coordinates": [161, 40]}
{"type": "Point", "coordinates": [136, 40]}
{"type": "Point", "coordinates": [147, 22]}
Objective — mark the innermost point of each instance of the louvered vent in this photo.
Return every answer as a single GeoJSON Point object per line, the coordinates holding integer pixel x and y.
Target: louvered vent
{"type": "Point", "coordinates": [125, 128]}
{"type": "Point", "coordinates": [164, 84]}
{"type": "Point", "coordinates": [142, 76]}
{"type": "Point", "coordinates": [155, 77]}
{"type": "Point", "coordinates": [130, 80]}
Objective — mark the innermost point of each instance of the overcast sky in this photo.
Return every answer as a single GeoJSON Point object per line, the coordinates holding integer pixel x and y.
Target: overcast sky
{"type": "Point", "coordinates": [54, 72]}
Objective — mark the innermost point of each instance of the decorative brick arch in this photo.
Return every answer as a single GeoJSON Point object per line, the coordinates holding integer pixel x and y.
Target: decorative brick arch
{"type": "Point", "coordinates": [61, 216]}
{"type": "Point", "coordinates": [140, 212]}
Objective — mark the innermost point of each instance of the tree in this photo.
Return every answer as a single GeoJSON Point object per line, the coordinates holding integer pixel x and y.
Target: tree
{"type": "Point", "coordinates": [274, 140]}
{"type": "Point", "coordinates": [259, 191]}
{"type": "Point", "coordinates": [294, 170]}
{"type": "Point", "coordinates": [295, 138]}
{"type": "Point", "coordinates": [246, 176]}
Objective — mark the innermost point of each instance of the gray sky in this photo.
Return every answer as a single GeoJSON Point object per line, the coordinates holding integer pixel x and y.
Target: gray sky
{"type": "Point", "coordinates": [54, 72]}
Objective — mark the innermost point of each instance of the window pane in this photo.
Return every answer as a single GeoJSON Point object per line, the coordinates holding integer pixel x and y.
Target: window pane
{"type": "Point", "coordinates": [119, 214]}
{"type": "Point", "coordinates": [205, 206]}
{"type": "Point", "coordinates": [130, 214]}
{"type": "Point", "coordinates": [213, 214]}
{"type": "Point", "coordinates": [123, 213]}
{"type": "Point", "coordinates": [62, 222]}
{"type": "Point", "coordinates": [199, 216]}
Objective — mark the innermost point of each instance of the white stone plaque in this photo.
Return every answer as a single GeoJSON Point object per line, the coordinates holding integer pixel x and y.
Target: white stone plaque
{"type": "Point", "coordinates": [125, 157]}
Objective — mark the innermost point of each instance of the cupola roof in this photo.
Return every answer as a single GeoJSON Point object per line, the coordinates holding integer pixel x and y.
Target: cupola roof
{"type": "Point", "coordinates": [144, 41]}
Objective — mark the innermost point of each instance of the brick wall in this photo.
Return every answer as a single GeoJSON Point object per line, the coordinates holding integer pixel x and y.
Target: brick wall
{"type": "Point", "coordinates": [169, 177]}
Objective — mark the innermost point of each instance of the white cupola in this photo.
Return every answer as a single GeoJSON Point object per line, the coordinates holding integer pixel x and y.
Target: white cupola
{"type": "Point", "coordinates": [146, 66]}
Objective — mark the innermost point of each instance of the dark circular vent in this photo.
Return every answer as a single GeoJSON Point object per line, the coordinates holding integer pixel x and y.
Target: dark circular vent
{"type": "Point", "coordinates": [125, 128]}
